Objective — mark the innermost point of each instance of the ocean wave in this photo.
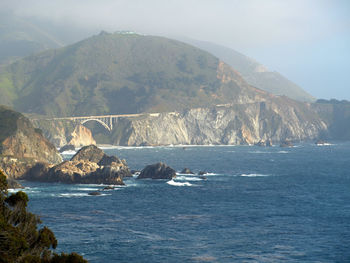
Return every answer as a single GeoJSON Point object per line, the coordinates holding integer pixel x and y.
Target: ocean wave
{"type": "Point", "coordinates": [211, 174]}
{"type": "Point", "coordinates": [70, 152]}
{"type": "Point", "coordinates": [255, 175]}
{"type": "Point", "coordinates": [262, 152]}
{"type": "Point", "coordinates": [79, 195]}
{"type": "Point", "coordinates": [86, 189]}
{"type": "Point", "coordinates": [28, 190]}
{"type": "Point", "coordinates": [196, 175]}
{"type": "Point", "coordinates": [187, 178]}
{"type": "Point", "coordinates": [172, 182]}
{"type": "Point", "coordinates": [325, 144]}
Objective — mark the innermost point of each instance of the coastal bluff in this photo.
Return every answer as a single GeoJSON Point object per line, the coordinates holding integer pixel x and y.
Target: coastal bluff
{"type": "Point", "coordinates": [22, 145]}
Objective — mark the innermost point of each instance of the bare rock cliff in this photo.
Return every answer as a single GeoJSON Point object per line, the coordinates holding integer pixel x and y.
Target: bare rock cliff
{"type": "Point", "coordinates": [21, 144]}
{"type": "Point", "coordinates": [65, 132]}
{"type": "Point", "coordinates": [279, 119]}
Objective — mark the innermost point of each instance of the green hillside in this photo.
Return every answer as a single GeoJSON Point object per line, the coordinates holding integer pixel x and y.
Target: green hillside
{"type": "Point", "coordinates": [121, 73]}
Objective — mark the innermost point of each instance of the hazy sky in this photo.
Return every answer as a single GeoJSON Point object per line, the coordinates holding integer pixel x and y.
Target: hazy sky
{"type": "Point", "coordinates": [308, 41]}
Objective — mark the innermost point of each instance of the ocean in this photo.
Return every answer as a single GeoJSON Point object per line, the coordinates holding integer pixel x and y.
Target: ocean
{"type": "Point", "coordinates": [257, 205]}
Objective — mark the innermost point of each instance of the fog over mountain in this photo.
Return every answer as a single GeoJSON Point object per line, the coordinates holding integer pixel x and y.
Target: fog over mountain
{"type": "Point", "coordinates": [306, 41]}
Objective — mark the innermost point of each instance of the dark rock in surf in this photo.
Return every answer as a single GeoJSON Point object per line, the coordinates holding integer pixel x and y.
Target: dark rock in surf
{"type": "Point", "coordinates": [320, 142]}
{"type": "Point", "coordinates": [157, 171]}
{"type": "Point", "coordinates": [263, 143]}
{"type": "Point", "coordinates": [108, 188]}
{"type": "Point", "coordinates": [94, 193]}
{"type": "Point", "coordinates": [187, 171]}
{"type": "Point", "coordinates": [202, 172]}
{"type": "Point", "coordinates": [13, 184]}
{"type": "Point", "coordinates": [67, 147]}
{"type": "Point", "coordinates": [286, 144]}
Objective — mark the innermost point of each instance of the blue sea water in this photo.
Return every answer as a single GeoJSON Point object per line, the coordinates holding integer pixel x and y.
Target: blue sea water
{"type": "Point", "coordinates": [257, 205]}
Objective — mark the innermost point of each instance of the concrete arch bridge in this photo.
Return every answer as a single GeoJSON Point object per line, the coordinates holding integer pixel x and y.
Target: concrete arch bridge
{"type": "Point", "coordinates": [107, 121]}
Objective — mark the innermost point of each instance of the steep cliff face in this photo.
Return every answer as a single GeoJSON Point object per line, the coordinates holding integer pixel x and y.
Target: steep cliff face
{"type": "Point", "coordinates": [21, 145]}
{"type": "Point", "coordinates": [278, 120]}
{"type": "Point", "coordinates": [20, 139]}
{"type": "Point", "coordinates": [65, 132]}
{"type": "Point", "coordinates": [337, 117]}
{"type": "Point", "coordinates": [81, 136]}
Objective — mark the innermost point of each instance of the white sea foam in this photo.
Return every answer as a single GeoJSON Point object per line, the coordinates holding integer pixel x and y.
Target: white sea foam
{"type": "Point", "coordinates": [79, 195]}
{"type": "Point", "coordinates": [211, 174]}
{"type": "Point", "coordinates": [254, 175]}
{"type": "Point", "coordinates": [70, 152]}
{"type": "Point", "coordinates": [282, 152]}
{"type": "Point", "coordinates": [187, 178]}
{"type": "Point", "coordinates": [86, 189]}
{"type": "Point", "coordinates": [172, 182]}
{"type": "Point", "coordinates": [73, 195]}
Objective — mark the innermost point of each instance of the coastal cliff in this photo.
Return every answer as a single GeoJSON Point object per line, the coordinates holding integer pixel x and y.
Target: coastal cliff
{"type": "Point", "coordinates": [276, 119]}
{"type": "Point", "coordinates": [232, 124]}
{"type": "Point", "coordinates": [21, 144]}
{"type": "Point", "coordinates": [65, 132]}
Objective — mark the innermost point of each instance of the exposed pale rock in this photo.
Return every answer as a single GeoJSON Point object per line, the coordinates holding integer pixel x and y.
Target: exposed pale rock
{"type": "Point", "coordinates": [239, 124]}
{"type": "Point", "coordinates": [81, 136]}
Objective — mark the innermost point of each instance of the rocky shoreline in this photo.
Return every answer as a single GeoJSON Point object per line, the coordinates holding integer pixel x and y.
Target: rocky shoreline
{"type": "Point", "coordinates": [90, 165]}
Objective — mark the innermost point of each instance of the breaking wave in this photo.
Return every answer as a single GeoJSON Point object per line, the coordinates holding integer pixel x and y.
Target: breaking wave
{"type": "Point", "coordinates": [255, 175]}
{"type": "Point", "coordinates": [172, 182]}
{"type": "Point", "coordinates": [187, 178]}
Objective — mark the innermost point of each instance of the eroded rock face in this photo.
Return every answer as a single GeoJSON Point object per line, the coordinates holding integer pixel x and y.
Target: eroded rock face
{"type": "Point", "coordinates": [239, 124]}
{"type": "Point", "coordinates": [81, 136]}
{"type": "Point", "coordinates": [19, 139]}
{"type": "Point", "coordinates": [21, 145]}
{"type": "Point", "coordinates": [286, 144]}
{"type": "Point", "coordinates": [65, 132]}
{"type": "Point", "coordinates": [157, 171]}
{"type": "Point", "coordinates": [90, 165]}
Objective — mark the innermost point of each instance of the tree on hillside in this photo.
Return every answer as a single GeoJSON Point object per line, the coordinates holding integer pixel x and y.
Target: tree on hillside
{"type": "Point", "coordinates": [20, 239]}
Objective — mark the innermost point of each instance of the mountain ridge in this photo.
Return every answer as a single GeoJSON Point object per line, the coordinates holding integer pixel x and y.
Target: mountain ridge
{"type": "Point", "coordinates": [122, 73]}
{"type": "Point", "coordinates": [253, 72]}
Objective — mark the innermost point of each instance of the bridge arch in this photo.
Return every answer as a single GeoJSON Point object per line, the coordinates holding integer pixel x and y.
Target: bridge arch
{"type": "Point", "coordinates": [99, 121]}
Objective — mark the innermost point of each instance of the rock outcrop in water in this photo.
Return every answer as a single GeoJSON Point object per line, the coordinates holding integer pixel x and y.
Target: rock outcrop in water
{"type": "Point", "coordinates": [186, 171]}
{"type": "Point", "coordinates": [90, 165]}
{"type": "Point", "coordinates": [67, 147]}
{"type": "Point", "coordinates": [157, 171]}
